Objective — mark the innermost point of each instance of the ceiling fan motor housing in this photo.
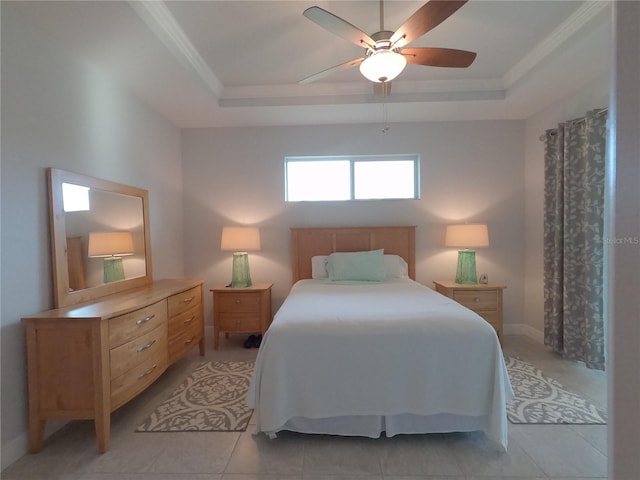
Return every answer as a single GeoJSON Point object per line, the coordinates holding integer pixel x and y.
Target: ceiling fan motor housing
{"type": "Point", "coordinates": [382, 63]}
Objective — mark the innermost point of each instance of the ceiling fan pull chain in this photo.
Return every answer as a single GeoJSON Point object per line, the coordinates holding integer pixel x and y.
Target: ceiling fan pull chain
{"type": "Point", "coordinates": [385, 121]}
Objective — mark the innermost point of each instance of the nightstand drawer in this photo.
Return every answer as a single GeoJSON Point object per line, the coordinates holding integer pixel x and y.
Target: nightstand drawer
{"type": "Point", "coordinates": [239, 322]}
{"type": "Point", "coordinates": [491, 317]}
{"type": "Point", "coordinates": [477, 300]}
{"type": "Point", "coordinates": [239, 302]}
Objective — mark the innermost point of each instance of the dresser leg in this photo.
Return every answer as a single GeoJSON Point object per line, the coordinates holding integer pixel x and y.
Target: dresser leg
{"type": "Point", "coordinates": [36, 433]}
{"type": "Point", "coordinates": [103, 432]}
{"type": "Point", "coordinates": [201, 346]}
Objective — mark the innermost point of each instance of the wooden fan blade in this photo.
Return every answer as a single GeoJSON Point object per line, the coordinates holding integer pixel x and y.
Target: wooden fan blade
{"type": "Point", "coordinates": [381, 90]}
{"type": "Point", "coordinates": [329, 71]}
{"type": "Point", "coordinates": [338, 26]}
{"type": "Point", "coordinates": [439, 57]}
{"type": "Point", "coordinates": [427, 17]}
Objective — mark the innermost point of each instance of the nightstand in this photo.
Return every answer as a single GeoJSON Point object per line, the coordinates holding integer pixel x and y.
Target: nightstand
{"type": "Point", "coordinates": [241, 310]}
{"type": "Point", "coordinates": [484, 299]}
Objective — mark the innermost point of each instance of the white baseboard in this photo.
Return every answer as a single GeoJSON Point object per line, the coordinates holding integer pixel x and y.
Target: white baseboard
{"type": "Point", "coordinates": [13, 450]}
{"type": "Point", "coordinates": [524, 329]}
{"type": "Point", "coordinates": [19, 446]}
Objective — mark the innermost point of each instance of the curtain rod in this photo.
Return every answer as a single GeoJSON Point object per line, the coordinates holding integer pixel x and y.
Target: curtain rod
{"type": "Point", "coordinates": [578, 120]}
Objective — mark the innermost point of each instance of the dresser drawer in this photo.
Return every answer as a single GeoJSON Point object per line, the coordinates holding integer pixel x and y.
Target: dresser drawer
{"type": "Point", "coordinates": [184, 339]}
{"type": "Point", "coordinates": [238, 302]}
{"type": "Point", "coordinates": [138, 350]}
{"type": "Point", "coordinates": [125, 327]}
{"type": "Point", "coordinates": [477, 300]}
{"type": "Point", "coordinates": [239, 322]}
{"type": "Point", "coordinates": [182, 302]}
{"type": "Point", "coordinates": [129, 384]}
{"type": "Point", "coordinates": [185, 320]}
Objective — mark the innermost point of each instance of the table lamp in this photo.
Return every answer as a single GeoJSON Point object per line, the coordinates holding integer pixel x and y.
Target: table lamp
{"type": "Point", "coordinates": [240, 239]}
{"type": "Point", "coordinates": [112, 246]}
{"type": "Point", "coordinates": [468, 235]}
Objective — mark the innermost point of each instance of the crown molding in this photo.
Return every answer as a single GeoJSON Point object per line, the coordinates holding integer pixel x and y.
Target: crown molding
{"type": "Point", "coordinates": [162, 22]}
{"type": "Point", "coordinates": [579, 19]}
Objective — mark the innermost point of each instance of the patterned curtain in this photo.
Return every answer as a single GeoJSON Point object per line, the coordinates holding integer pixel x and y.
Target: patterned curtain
{"type": "Point", "coordinates": [574, 168]}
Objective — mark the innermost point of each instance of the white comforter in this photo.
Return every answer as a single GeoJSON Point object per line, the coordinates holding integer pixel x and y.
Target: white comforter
{"type": "Point", "coordinates": [363, 358]}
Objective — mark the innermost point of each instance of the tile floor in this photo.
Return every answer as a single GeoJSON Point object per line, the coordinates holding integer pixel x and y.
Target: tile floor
{"type": "Point", "coordinates": [535, 451]}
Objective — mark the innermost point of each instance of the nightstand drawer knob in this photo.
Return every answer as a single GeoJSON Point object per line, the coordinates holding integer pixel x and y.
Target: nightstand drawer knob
{"type": "Point", "coordinates": [237, 301]}
{"type": "Point", "coordinates": [476, 299]}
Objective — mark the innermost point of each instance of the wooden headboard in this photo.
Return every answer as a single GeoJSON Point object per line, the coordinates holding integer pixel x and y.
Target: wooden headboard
{"type": "Point", "coordinates": [309, 242]}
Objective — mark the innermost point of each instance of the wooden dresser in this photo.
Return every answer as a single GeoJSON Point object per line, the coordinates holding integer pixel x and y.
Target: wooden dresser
{"type": "Point", "coordinates": [87, 360]}
{"type": "Point", "coordinates": [484, 299]}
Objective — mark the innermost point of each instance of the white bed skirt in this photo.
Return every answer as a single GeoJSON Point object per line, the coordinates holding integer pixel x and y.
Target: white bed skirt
{"type": "Point", "coordinates": [373, 426]}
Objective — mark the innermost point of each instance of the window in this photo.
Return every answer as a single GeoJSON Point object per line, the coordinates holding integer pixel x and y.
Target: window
{"type": "Point", "coordinates": [75, 198]}
{"type": "Point", "coordinates": [351, 178]}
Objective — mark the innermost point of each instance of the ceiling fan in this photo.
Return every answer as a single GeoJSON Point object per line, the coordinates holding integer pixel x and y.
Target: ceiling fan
{"type": "Point", "coordinates": [385, 54]}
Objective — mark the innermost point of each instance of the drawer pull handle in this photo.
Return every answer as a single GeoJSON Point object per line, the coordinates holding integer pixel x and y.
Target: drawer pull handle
{"type": "Point", "coordinates": [148, 372]}
{"type": "Point", "coordinates": [476, 299]}
{"type": "Point", "coordinates": [187, 300]}
{"type": "Point", "coordinates": [144, 347]}
{"type": "Point", "coordinates": [145, 319]}
{"type": "Point", "coordinates": [190, 340]}
{"type": "Point", "coordinates": [186, 322]}
{"type": "Point", "coordinates": [237, 301]}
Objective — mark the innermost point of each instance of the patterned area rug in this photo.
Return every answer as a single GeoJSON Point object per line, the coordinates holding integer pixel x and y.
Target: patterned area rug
{"type": "Point", "coordinates": [540, 399]}
{"type": "Point", "coordinates": [212, 399]}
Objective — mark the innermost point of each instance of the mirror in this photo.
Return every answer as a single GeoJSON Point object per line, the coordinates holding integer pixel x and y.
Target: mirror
{"type": "Point", "coordinates": [100, 242]}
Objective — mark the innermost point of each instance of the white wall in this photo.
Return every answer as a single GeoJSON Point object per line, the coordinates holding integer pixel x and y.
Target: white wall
{"type": "Point", "coordinates": [59, 112]}
{"type": "Point", "coordinates": [594, 95]}
{"type": "Point", "coordinates": [470, 171]}
{"type": "Point", "coordinates": [623, 304]}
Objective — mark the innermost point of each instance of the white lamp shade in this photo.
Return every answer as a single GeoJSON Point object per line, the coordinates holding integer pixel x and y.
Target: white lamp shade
{"type": "Point", "coordinates": [240, 238]}
{"type": "Point", "coordinates": [471, 235]}
{"type": "Point", "coordinates": [383, 66]}
{"type": "Point", "coordinates": [108, 244]}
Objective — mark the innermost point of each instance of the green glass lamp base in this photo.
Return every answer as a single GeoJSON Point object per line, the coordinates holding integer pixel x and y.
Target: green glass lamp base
{"type": "Point", "coordinates": [240, 275]}
{"type": "Point", "coordinates": [466, 271]}
{"type": "Point", "coordinates": [113, 269]}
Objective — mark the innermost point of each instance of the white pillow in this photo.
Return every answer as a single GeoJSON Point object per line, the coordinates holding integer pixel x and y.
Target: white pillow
{"type": "Point", "coordinates": [394, 267]}
{"type": "Point", "coordinates": [319, 267]}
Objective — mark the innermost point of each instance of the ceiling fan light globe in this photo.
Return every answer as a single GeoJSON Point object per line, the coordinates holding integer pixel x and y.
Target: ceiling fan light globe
{"type": "Point", "coordinates": [383, 66]}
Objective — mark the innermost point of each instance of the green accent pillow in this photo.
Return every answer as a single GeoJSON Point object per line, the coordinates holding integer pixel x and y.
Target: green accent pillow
{"type": "Point", "coordinates": [367, 266]}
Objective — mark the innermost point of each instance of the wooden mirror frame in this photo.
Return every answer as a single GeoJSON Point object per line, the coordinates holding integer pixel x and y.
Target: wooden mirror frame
{"type": "Point", "coordinates": [63, 297]}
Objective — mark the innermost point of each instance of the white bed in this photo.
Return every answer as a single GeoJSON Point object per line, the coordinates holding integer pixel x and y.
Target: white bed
{"type": "Point", "coordinates": [362, 358]}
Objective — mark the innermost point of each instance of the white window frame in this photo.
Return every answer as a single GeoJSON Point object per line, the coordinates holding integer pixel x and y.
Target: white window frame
{"type": "Point", "coordinates": [353, 159]}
